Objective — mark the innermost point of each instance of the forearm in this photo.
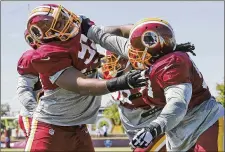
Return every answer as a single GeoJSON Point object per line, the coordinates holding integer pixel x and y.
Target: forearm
{"type": "Point", "coordinates": [177, 98]}
{"type": "Point", "coordinates": [116, 44]}
{"type": "Point", "coordinates": [94, 87]}
{"type": "Point", "coordinates": [72, 79]}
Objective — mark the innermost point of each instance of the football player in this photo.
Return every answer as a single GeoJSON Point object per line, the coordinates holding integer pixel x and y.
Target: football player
{"type": "Point", "coordinates": [67, 63]}
{"type": "Point", "coordinates": [190, 113]}
{"type": "Point", "coordinates": [28, 86]}
{"type": "Point", "coordinates": [134, 112]}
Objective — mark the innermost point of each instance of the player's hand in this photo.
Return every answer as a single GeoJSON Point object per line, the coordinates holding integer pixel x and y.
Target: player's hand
{"type": "Point", "coordinates": [136, 78]}
{"type": "Point", "coordinates": [130, 80]}
{"type": "Point", "coordinates": [85, 24]}
{"type": "Point", "coordinates": [142, 139]}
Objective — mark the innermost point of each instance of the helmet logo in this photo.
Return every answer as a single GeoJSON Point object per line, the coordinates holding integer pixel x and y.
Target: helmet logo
{"type": "Point", "coordinates": [36, 32]}
{"type": "Point", "coordinates": [29, 39]}
{"type": "Point", "coordinates": [150, 39]}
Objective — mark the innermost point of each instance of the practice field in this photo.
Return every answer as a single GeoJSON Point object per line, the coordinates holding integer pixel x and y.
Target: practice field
{"type": "Point", "coordinates": [105, 149]}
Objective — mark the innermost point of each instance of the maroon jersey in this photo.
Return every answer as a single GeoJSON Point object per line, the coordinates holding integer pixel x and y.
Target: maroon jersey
{"type": "Point", "coordinates": [24, 67]}
{"type": "Point", "coordinates": [52, 57]}
{"type": "Point", "coordinates": [173, 69]}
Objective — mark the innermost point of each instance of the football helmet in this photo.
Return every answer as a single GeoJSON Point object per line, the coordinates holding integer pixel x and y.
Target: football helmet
{"type": "Point", "coordinates": [150, 39]}
{"type": "Point", "coordinates": [113, 64]}
{"type": "Point", "coordinates": [31, 41]}
{"type": "Point", "coordinates": [50, 21]}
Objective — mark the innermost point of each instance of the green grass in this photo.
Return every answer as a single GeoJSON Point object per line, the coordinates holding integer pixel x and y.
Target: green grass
{"type": "Point", "coordinates": [105, 149]}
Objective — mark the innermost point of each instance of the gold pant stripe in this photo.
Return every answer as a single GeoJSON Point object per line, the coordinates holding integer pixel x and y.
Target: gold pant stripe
{"type": "Point", "coordinates": [158, 144]}
{"type": "Point", "coordinates": [32, 133]}
{"type": "Point", "coordinates": [220, 139]}
{"type": "Point", "coordinates": [26, 124]}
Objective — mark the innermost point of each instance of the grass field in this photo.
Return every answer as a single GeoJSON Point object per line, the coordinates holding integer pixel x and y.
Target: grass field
{"type": "Point", "coordinates": [105, 149]}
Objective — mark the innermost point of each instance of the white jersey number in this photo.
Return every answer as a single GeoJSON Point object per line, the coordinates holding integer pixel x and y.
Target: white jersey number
{"type": "Point", "coordinates": [85, 48]}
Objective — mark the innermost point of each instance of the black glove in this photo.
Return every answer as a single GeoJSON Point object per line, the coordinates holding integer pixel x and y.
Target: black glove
{"type": "Point", "coordinates": [85, 24]}
{"type": "Point", "coordinates": [130, 80]}
{"type": "Point", "coordinates": [146, 135]}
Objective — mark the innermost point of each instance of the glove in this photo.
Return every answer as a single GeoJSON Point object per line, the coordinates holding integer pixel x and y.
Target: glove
{"type": "Point", "coordinates": [85, 24]}
{"type": "Point", "coordinates": [130, 80]}
{"type": "Point", "coordinates": [142, 139]}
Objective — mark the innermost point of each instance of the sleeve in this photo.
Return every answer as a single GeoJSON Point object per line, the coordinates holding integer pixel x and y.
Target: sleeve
{"type": "Point", "coordinates": [25, 91]}
{"type": "Point", "coordinates": [173, 72]}
{"type": "Point", "coordinates": [177, 98]}
{"type": "Point", "coordinates": [116, 44]}
{"type": "Point", "coordinates": [54, 77]}
{"type": "Point", "coordinates": [24, 65]}
{"type": "Point", "coordinates": [49, 63]}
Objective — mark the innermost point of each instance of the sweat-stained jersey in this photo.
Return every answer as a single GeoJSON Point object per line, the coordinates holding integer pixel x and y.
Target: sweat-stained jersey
{"type": "Point", "coordinates": [28, 84]}
{"type": "Point", "coordinates": [203, 110]}
{"type": "Point", "coordinates": [59, 106]}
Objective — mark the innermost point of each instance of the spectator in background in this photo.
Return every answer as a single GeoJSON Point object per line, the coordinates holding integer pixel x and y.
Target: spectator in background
{"type": "Point", "coordinates": [2, 128]}
{"type": "Point", "coordinates": [7, 132]}
{"type": "Point", "coordinates": [98, 132]}
{"type": "Point", "coordinates": [105, 129]}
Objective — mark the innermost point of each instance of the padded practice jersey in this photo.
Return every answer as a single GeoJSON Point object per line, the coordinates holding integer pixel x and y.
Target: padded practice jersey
{"type": "Point", "coordinates": [59, 106]}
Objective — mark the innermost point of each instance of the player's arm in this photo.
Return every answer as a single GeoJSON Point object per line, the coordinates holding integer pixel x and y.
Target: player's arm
{"type": "Point", "coordinates": [60, 71]}
{"type": "Point", "coordinates": [25, 91]}
{"type": "Point", "coordinates": [73, 80]}
{"type": "Point", "coordinates": [177, 100]}
{"type": "Point", "coordinates": [120, 30]}
{"type": "Point", "coordinates": [116, 44]}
